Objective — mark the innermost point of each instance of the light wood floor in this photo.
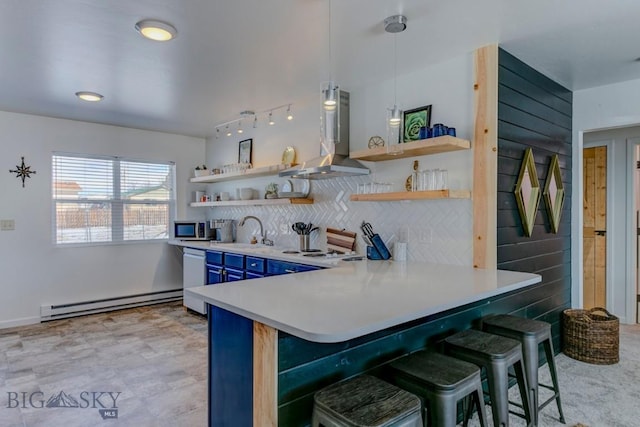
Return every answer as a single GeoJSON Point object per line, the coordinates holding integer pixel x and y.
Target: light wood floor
{"type": "Point", "coordinates": [156, 357]}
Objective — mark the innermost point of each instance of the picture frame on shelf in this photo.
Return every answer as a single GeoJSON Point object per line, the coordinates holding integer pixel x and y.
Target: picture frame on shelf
{"type": "Point", "coordinates": [244, 150]}
{"type": "Point", "coordinates": [415, 119]}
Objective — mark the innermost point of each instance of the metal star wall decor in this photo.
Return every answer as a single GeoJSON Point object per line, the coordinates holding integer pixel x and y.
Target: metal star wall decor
{"type": "Point", "coordinates": [23, 171]}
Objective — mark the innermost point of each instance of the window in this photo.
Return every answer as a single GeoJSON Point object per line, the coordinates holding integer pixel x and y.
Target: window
{"type": "Point", "coordinates": [100, 199]}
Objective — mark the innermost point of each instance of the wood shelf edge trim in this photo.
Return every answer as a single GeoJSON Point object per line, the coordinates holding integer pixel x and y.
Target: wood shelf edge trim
{"type": "Point", "coordinates": [441, 144]}
{"type": "Point", "coordinates": [255, 202]}
{"type": "Point", "coordinates": [249, 173]}
{"type": "Point", "coordinates": [411, 195]}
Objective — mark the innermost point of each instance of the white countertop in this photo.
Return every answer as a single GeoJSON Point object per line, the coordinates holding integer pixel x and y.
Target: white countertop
{"type": "Point", "coordinates": [360, 297]}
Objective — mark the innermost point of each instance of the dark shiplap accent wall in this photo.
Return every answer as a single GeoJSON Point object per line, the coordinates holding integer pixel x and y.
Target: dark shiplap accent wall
{"type": "Point", "coordinates": [536, 112]}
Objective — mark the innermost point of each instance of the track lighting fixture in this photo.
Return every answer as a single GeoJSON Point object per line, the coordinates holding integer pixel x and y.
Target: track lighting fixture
{"type": "Point", "coordinates": [248, 114]}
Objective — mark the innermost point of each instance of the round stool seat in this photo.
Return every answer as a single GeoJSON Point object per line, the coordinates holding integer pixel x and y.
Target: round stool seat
{"type": "Point", "coordinates": [366, 401]}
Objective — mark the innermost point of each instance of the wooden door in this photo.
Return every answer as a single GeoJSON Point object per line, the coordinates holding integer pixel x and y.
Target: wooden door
{"type": "Point", "coordinates": [595, 227]}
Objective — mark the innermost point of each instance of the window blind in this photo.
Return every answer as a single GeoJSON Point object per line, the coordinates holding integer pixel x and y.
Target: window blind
{"type": "Point", "coordinates": [101, 199]}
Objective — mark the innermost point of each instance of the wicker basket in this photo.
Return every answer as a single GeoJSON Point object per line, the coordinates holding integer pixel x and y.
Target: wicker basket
{"type": "Point", "coordinates": [590, 337]}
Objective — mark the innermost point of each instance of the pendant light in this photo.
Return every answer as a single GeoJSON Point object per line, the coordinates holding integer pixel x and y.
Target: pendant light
{"type": "Point", "coordinates": [330, 107]}
{"type": "Point", "coordinates": [395, 24]}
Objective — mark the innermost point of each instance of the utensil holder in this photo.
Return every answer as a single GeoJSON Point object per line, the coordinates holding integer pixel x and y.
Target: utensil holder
{"type": "Point", "coordinates": [304, 242]}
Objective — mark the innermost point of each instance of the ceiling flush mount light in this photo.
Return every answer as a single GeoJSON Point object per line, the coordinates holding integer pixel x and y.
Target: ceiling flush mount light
{"type": "Point", "coordinates": [89, 96]}
{"type": "Point", "coordinates": [395, 24]}
{"type": "Point", "coordinates": [156, 30]}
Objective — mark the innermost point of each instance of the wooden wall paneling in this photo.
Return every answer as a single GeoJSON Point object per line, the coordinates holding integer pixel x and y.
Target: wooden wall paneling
{"type": "Point", "coordinates": [537, 92]}
{"type": "Point", "coordinates": [485, 156]}
{"type": "Point", "coordinates": [265, 375]}
{"type": "Point", "coordinates": [535, 112]}
{"type": "Point", "coordinates": [510, 62]}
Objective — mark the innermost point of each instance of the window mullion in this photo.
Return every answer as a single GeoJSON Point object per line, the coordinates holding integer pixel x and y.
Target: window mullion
{"type": "Point", "coordinates": [117, 214]}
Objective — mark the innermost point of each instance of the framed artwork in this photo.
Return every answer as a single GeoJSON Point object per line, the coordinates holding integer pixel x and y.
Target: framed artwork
{"type": "Point", "coordinates": [527, 192]}
{"type": "Point", "coordinates": [554, 194]}
{"type": "Point", "coordinates": [414, 120]}
{"type": "Point", "coordinates": [244, 151]}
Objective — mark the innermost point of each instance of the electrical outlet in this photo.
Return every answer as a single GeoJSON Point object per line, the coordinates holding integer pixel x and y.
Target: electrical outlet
{"type": "Point", "coordinates": [425, 235]}
{"type": "Point", "coordinates": [7, 225]}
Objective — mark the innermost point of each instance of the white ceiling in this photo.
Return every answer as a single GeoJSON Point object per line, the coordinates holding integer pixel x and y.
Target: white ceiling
{"type": "Point", "coordinates": [235, 55]}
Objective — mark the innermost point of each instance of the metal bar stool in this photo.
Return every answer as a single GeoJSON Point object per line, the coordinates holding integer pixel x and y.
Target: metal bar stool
{"type": "Point", "coordinates": [441, 381]}
{"type": "Point", "coordinates": [496, 354]}
{"type": "Point", "coordinates": [365, 401]}
{"type": "Point", "coordinates": [531, 333]}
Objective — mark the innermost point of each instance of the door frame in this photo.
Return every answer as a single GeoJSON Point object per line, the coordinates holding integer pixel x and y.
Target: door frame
{"type": "Point", "coordinates": [610, 226]}
{"type": "Point", "coordinates": [631, 234]}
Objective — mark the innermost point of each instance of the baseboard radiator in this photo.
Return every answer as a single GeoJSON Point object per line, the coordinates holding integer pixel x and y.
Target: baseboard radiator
{"type": "Point", "coordinates": [61, 311]}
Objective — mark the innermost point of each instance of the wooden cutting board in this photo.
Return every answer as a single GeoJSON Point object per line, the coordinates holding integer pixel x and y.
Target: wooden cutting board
{"type": "Point", "coordinates": [340, 240]}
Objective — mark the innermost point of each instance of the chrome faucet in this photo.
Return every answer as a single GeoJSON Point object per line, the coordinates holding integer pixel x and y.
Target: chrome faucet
{"type": "Point", "coordinates": [263, 233]}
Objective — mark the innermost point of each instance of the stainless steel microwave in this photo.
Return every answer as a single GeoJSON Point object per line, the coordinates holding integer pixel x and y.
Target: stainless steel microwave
{"type": "Point", "coordinates": [192, 230]}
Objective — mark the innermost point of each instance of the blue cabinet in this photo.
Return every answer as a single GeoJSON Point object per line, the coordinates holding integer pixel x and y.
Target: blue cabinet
{"type": "Point", "coordinates": [275, 267]}
{"type": "Point", "coordinates": [214, 274]}
{"type": "Point", "coordinates": [229, 267]}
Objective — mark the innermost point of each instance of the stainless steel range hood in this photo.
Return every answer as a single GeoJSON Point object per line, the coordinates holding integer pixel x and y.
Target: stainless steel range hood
{"type": "Point", "coordinates": [334, 159]}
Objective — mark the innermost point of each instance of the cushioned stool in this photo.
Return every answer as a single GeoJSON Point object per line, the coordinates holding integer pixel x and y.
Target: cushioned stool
{"type": "Point", "coordinates": [441, 381]}
{"type": "Point", "coordinates": [531, 333]}
{"type": "Point", "coordinates": [496, 354]}
{"type": "Point", "coordinates": [365, 401]}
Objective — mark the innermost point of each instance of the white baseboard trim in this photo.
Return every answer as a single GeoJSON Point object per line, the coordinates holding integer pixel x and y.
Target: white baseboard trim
{"type": "Point", "coordinates": [24, 321]}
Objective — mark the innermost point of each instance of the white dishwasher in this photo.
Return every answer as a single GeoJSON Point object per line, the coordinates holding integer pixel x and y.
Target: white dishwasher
{"type": "Point", "coordinates": [194, 274]}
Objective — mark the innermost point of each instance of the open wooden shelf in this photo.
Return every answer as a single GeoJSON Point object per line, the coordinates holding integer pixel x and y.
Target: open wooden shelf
{"type": "Point", "coordinates": [440, 144]}
{"type": "Point", "coordinates": [246, 174]}
{"type": "Point", "coordinates": [411, 195]}
{"type": "Point", "coordinates": [254, 202]}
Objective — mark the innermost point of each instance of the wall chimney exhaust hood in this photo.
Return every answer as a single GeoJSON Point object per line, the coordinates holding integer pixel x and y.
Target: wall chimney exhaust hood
{"type": "Point", "coordinates": [334, 159]}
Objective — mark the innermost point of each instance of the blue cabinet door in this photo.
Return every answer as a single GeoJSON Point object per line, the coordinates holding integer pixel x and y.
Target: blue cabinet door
{"type": "Point", "coordinates": [249, 275]}
{"type": "Point", "coordinates": [275, 267]}
{"type": "Point", "coordinates": [233, 275]}
{"type": "Point", "coordinates": [214, 275]}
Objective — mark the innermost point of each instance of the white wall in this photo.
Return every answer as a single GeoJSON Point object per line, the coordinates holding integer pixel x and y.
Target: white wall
{"type": "Point", "coordinates": [438, 230]}
{"type": "Point", "coordinates": [34, 272]}
{"type": "Point", "coordinates": [595, 109]}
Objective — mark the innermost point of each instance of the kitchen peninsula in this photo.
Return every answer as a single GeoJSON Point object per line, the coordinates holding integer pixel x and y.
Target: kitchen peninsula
{"type": "Point", "coordinates": [275, 341]}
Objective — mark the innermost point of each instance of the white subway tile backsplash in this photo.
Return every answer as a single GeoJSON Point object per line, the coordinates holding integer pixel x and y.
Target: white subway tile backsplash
{"type": "Point", "coordinates": [438, 230]}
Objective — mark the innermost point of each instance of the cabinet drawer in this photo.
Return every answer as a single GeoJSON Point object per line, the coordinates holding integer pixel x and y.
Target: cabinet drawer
{"type": "Point", "coordinates": [282, 267]}
{"type": "Point", "coordinates": [256, 265]}
{"type": "Point", "coordinates": [234, 275]}
{"type": "Point", "coordinates": [214, 257]}
{"type": "Point", "coordinates": [234, 260]}
{"type": "Point", "coordinates": [248, 275]}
